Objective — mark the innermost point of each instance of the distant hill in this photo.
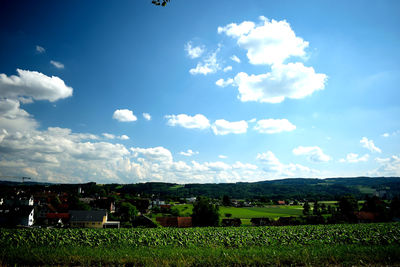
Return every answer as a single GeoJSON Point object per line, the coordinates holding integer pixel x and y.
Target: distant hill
{"type": "Point", "coordinates": [291, 188]}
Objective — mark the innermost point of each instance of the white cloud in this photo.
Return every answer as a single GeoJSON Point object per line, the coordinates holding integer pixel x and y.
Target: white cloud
{"type": "Point", "coordinates": [193, 52]}
{"type": "Point", "coordinates": [108, 136]}
{"type": "Point", "coordinates": [159, 154]}
{"type": "Point", "coordinates": [386, 135]}
{"type": "Point", "coordinates": [271, 164]}
{"type": "Point", "coordinates": [40, 49]}
{"type": "Point", "coordinates": [57, 64]}
{"type": "Point", "coordinates": [197, 121]}
{"type": "Point", "coordinates": [271, 126]}
{"type": "Point", "coordinates": [272, 42]}
{"type": "Point", "coordinates": [207, 66]}
{"type": "Point", "coordinates": [369, 144]}
{"type": "Point", "coordinates": [188, 153]}
{"type": "Point", "coordinates": [222, 83]}
{"type": "Point", "coordinates": [228, 68]}
{"type": "Point", "coordinates": [124, 115]}
{"type": "Point", "coordinates": [112, 136]}
{"type": "Point", "coordinates": [313, 153]}
{"type": "Point", "coordinates": [222, 157]}
{"type": "Point", "coordinates": [33, 85]}
{"type": "Point", "coordinates": [147, 116]}
{"type": "Point", "coordinates": [389, 167]}
{"type": "Point", "coordinates": [123, 137]}
{"type": "Point", "coordinates": [235, 30]}
{"type": "Point", "coordinates": [354, 158]}
{"type": "Point", "coordinates": [223, 127]}
{"type": "Point", "coordinates": [235, 58]}
{"type": "Point", "coordinates": [293, 80]}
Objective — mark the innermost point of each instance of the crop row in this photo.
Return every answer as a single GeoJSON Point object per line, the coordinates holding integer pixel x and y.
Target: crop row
{"type": "Point", "coordinates": [363, 234]}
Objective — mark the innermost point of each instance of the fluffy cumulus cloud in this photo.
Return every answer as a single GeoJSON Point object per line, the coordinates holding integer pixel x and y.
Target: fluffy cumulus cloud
{"type": "Point", "coordinates": [270, 42]}
{"type": "Point", "coordinates": [57, 64]}
{"type": "Point", "coordinates": [193, 51]}
{"type": "Point", "coordinates": [61, 155]}
{"type": "Point", "coordinates": [146, 116]}
{"type": "Point", "coordinates": [28, 85]}
{"type": "Point", "coordinates": [293, 80]}
{"type": "Point", "coordinates": [369, 144]}
{"type": "Point", "coordinates": [388, 167]}
{"type": "Point", "coordinates": [313, 153]}
{"type": "Point", "coordinates": [272, 126]}
{"type": "Point", "coordinates": [223, 127]}
{"type": "Point", "coordinates": [124, 115]}
{"type": "Point", "coordinates": [197, 121]}
{"type": "Point", "coordinates": [272, 165]}
{"type": "Point", "coordinates": [354, 158]}
{"type": "Point", "coordinates": [223, 83]}
{"type": "Point", "coordinates": [209, 65]}
{"type": "Point", "coordinates": [188, 153]}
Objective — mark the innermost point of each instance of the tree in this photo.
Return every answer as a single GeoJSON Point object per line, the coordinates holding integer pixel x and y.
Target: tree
{"type": "Point", "coordinates": [348, 206]}
{"type": "Point", "coordinates": [205, 213]}
{"type": "Point", "coordinates": [128, 211]}
{"type": "Point", "coordinates": [306, 208]}
{"type": "Point", "coordinates": [226, 201]}
{"type": "Point", "coordinates": [316, 209]}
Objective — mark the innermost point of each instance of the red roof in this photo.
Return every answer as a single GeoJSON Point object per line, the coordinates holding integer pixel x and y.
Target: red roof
{"type": "Point", "coordinates": [57, 215]}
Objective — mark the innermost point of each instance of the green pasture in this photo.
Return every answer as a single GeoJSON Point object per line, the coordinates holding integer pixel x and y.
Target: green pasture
{"type": "Point", "coordinates": [272, 212]}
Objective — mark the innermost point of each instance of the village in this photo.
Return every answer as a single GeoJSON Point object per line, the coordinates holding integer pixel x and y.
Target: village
{"type": "Point", "coordinates": [109, 206]}
{"type": "Point", "coordinates": [82, 206]}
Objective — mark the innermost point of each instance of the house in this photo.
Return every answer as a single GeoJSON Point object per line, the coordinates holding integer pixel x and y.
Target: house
{"type": "Point", "coordinates": [104, 203]}
{"type": "Point", "coordinates": [17, 216]}
{"type": "Point", "coordinates": [19, 201]}
{"type": "Point", "coordinates": [58, 219]}
{"type": "Point", "coordinates": [191, 199]}
{"type": "Point", "coordinates": [180, 222]}
{"type": "Point", "coordinates": [156, 203]}
{"type": "Point", "coordinates": [281, 202]}
{"type": "Point", "coordinates": [365, 217]}
{"type": "Point", "coordinates": [91, 219]}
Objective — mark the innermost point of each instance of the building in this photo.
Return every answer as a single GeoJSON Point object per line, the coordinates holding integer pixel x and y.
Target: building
{"type": "Point", "coordinates": [91, 219]}
{"type": "Point", "coordinates": [17, 216]}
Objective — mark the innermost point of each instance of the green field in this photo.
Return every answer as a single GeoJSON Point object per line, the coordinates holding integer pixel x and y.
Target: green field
{"type": "Point", "coordinates": [272, 212]}
{"type": "Point", "coordinates": [309, 245]}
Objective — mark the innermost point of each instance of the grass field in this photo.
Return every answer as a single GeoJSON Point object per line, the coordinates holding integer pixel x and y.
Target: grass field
{"type": "Point", "coordinates": [307, 245]}
{"type": "Point", "coordinates": [246, 214]}
{"type": "Point", "coordinates": [272, 212]}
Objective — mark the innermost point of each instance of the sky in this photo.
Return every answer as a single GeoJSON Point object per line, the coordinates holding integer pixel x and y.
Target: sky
{"type": "Point", "coordinates": [199, 91]}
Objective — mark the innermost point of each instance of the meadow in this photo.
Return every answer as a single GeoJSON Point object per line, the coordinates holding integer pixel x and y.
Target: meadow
{"type": "Point", "coordinates": [314, 245]}
{"type": "Point", "coordinates": [270, 211]}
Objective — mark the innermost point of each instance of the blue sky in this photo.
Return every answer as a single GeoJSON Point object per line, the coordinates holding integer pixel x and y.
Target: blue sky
{"type": "Point", "coordinates": [199, 91]}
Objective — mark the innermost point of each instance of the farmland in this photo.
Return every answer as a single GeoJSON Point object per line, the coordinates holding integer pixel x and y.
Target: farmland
{"type": "Point", "coordinates": [308, 244]}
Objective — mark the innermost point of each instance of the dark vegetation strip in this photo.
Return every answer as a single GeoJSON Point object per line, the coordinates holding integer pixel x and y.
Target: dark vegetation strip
{"type": "Point", "coordinates": [229, 237]}
{"type": "Point", "coordinates": [313, 255]}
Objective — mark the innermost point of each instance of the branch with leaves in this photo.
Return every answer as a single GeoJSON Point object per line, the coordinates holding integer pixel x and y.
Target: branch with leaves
{"type": "Point", "coordinates": [160, 2]}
